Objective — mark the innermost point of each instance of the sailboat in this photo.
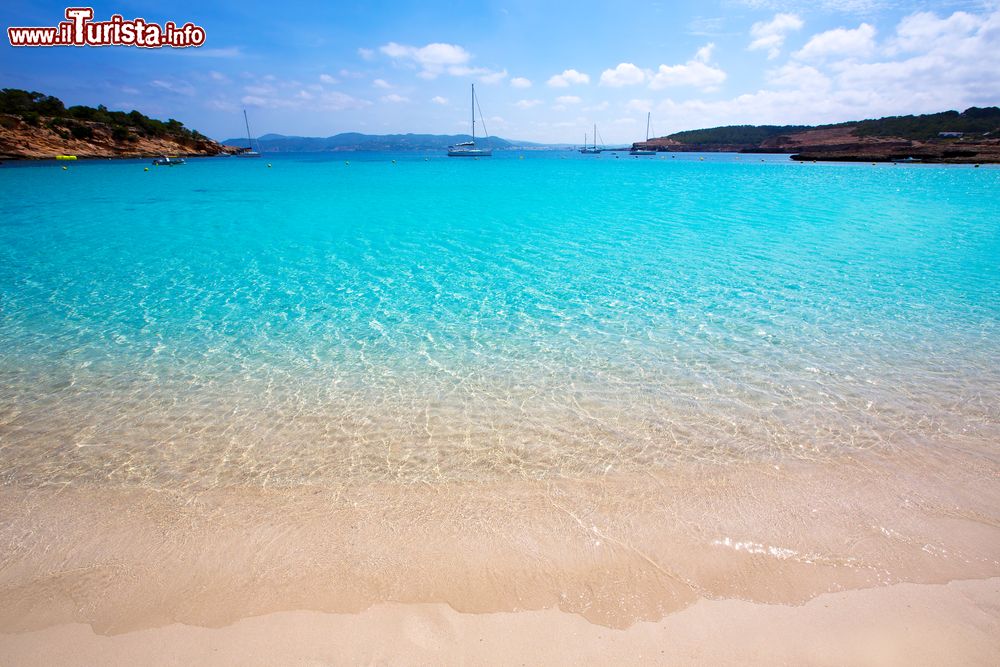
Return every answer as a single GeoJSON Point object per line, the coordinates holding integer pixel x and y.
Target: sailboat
{"type": "Point", "coordinates": [643, 151]}
{"type": "Point", "coordinates": [249, 152]}
{"type": "Point", "coordinates": [588, 149]}
{"type": "Point", "coordinates": [468, 148]}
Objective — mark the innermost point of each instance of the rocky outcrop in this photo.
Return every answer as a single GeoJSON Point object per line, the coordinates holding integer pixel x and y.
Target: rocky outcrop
{"type": "Point", "coordinates": [42, 139]}
{"type": "Point", "coordinates": [841, 144]}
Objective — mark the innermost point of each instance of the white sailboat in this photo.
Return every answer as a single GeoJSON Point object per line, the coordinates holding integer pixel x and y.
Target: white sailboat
{"type": "Point", "coordinates": [469, 148]}
{"type": "Point", "coordinates": [587, 149]}
{"type": "Point", "coordinates": [643, 151]}
{"type": "Point", "coordinates": [249, 152]}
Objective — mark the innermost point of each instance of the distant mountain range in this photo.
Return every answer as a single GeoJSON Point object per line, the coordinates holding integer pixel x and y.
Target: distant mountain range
{"type": "Point", "coordinates": [355, 141]}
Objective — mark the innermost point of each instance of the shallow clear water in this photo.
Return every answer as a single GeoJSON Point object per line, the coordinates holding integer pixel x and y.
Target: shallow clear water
{"type": "Point", "coordinates": [228, 323]}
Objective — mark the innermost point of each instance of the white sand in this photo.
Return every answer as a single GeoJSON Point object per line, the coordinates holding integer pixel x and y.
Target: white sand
{"type": "Point", "coordinates": [905, 624]}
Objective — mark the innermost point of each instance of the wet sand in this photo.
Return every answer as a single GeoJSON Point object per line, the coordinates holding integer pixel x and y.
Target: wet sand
{"type": "Point", "coordinates": [904, 624]}
{"type": "Point", "coordinates": [827, 562]}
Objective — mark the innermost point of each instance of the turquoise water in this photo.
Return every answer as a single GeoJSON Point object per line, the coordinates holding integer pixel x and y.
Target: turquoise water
{"type": "Point", "coordinates": [430, 319]}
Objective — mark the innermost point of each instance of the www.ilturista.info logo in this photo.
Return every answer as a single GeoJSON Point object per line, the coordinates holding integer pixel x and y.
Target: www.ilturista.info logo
{"type": "Point", "coordinates": [80, 30]}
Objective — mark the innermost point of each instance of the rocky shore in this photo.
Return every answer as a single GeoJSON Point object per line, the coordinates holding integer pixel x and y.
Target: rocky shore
{"type": "Point", "coordinates": [20, 139]}
{"type": "Point", "coordinates": [969, 137]}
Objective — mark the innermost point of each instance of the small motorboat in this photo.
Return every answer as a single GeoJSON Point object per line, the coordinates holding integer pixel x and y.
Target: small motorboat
{"type": "Point", "coordinates": [168, 161]}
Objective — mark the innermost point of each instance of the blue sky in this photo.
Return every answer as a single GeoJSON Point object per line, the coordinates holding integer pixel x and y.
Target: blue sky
{"type": "Point", "coordinates": [545, 71]}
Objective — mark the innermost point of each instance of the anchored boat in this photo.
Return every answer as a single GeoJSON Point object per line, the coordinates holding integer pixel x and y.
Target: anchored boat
{"type": "Point", "coordinates": [249, 152]}
{"type": "Point", "coordinates": [643, 151]}
{"type": "Point", "coordinates": [587, 149]}
{"type": "Point", "coordinates": [469, 148]}
{"type": "Point", "coordinates": [166, 161]}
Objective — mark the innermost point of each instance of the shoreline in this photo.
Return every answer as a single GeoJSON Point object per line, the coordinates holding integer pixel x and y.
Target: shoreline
{"type": "Point", "coordinates": [615, 550]}
{"type": "Point", "coordinates": [902, 624]}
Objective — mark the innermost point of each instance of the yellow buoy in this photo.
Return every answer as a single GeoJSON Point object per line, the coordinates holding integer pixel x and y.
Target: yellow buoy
{"type": "Point", "coordinates": [64, 168]}
{"type": "Point", "coordinates": [145, 168]}
{"type": "Point", "coordinates": [65, 157]}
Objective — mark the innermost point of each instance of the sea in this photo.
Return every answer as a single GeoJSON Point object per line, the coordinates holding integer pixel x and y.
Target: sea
{"type": "Point", "coordinates": [399, 317]}
{"type": "Point", "coordinates": [610, 385]}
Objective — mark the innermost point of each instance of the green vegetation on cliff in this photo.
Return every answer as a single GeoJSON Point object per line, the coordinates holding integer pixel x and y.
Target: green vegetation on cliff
{"type": "Point", "coordinates": [32, 107]}
{"type": "Point", "coordinates": [974, 120]}
{"type": "Point", "coordinates": [735, 134]}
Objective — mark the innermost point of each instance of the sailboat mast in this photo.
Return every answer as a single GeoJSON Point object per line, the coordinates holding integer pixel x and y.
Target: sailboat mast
{"type": "Point", "coordinates": [595, 136]}
{"type": "Point", "coordinates": [473, 113]}
{"type": "Point", "coordinates": [647, 126]}
{"type": "Point", "coordinates": [245, 120]}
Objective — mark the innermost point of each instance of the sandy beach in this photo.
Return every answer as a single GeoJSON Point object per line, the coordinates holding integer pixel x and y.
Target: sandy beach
{"type": "Point", "coordinates": [904, 624]}
{"type": "Point", "coordinates": [859, 561]}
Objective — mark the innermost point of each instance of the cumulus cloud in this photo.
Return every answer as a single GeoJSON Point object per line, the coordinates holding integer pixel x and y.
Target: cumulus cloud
{"type": "Point", "coordinates": [696, 72]}
{"type": "Point", "coordinates": [366, 54]}
{"type": "Point", "coordinates": [437, 99]}
{"type": "Point", "coordinates": [929, 65]}
{"type": "Point", "coordinates": [858, 42]}
{"type": "Point", "coordinates": [277, 96]}
{"type": "Point", "coordinates": [568, 99]}
{"type": "Point", "coordinates": [326, 78]}
{"type": "Point", "coordinates": [567, 78]}
{"type": "Point", "coordinates": [771, 34]}
{"type": "Point", "coordinates": [493, 77]}
{"type": "Point", "coordinates": [395, 98]}
{"type": "Point", "coordinates": [642, 106]}
{"type": "Point", "coordinates": [527, 104]}
{"type": "Point", "coordinates": [925, 30]}
{"type": "Point", "coordinates": [381, 83]}
{"type": "Point", "coordinates": [432, 59]}
{"type": "Point", "coordinates": [625, 74]}
{"type": "Point", "coordinates": [520, 82]}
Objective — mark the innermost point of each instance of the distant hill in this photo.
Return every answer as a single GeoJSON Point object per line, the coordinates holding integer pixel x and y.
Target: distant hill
{"type": "Point", "coordinates": [973, 120]}
{"type": "Point", "coordinates": [355, 141]}
{"type": "Point", "coordinates": [35, 125]}
{"type": "Point", "coordinates": [973, 136]}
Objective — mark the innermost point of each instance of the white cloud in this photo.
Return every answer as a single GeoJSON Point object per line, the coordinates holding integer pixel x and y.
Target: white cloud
{"type": "Point", "coordinates": [568, 77]}
{"type": "Point", "coordinates": [271, 98]}
{"type": "Point", "coordinates": [625, 74]}
{"type": "Point", "coordinates": [493, 77]}
{"type": "Point", "coordinates": [941, 70]}
{"type": "Point", "coordinates": [177, 87]}
{"type": "Point", "coordinates": [437, 99]}
{"type": "Point", "coordinates": [326, 78]}
{"type": "Point", "coordinates": [520, 82]}
{"type": "Point", "coordinates": [797, 75]}
{"type": "Point", "coordinates": [704, 54]}
{"type": "Point", "coordinates": [925, 30]}
{"type": "Point", "coordinates": [366, 54]}
{"type": "Point", "coordinates": [771, 34]}
{"type": "Point", "coordinates": [395, 98]}
{"type": "Point", "coordinates": [696, 72]}
{"type": "Point", "coordinates": [568, 99]}
{"type": "Point", "coordinates": [381, 83]}
{"type": "Point", "coordinates": [643, 106]}
{"type": "Point", "coordinates": [527, 104]}
{"type": "Point", "coordinates": [858, 42]}
{"type": "Point", "coordinates": [432, 59]}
